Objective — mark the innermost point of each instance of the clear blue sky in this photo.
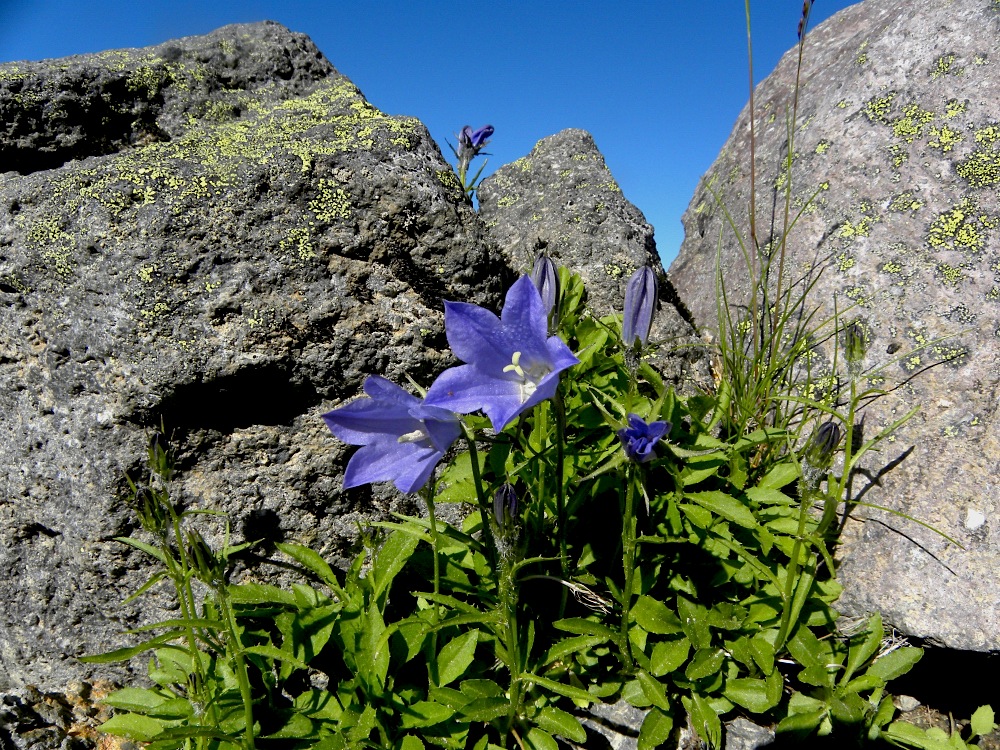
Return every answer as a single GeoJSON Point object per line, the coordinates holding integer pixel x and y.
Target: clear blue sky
{"type": "Point", "coordinates": [658, 83]}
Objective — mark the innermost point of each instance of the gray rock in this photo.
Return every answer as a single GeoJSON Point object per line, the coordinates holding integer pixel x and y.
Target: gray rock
{"type": "Point", "coordinates": [896, 168]}
{"type": "Point", "coordinates": [238, 272]}
{"type": "Point", "coordinates": [562, 199]}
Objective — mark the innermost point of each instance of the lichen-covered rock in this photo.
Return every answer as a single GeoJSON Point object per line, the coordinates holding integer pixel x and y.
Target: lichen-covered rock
{"type": "Point", "coordinates": [233, 257]}
{"type": "Point", "coordinates": [562, 199]}
{"type": "Point", "coordinates": [896, 181]}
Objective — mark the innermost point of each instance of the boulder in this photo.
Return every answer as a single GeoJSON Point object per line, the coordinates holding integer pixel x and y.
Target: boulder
{"type": "Point", "coordinates": [895, 168]}
{"type": "Point", "coordinates": [223, 234]}
{"type": "Point", "coordinates": [561, 199]}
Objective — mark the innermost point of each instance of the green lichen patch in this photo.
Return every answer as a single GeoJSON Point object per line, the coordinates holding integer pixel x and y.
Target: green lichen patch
{"type": "Point", "coordinates": [861, 225]}
{"type": "Point", "coordinates": [944, 138]}
{"type": "Point", "coordinates": [961, 228]}
{"type": "Point", "coordinates": [905, 201]}
{"type": "Point", "coordinates": [332, 203]}
{"type": "Point", "coordinates": [982, 167]}
{"type": "Point", "coordinates": [949, 275]}
{"type": "Point", "coordinates": [945, 66]}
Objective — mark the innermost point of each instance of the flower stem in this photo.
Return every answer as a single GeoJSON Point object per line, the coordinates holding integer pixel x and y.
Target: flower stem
{"type": "Point", "coordinates": [628, 562]}
{"type": "Point", "coordinates": [235, 648]}
{"type": "Point", "coordinates": [484, 507]}
{"type": "Point", "coordinates": [429, 490]}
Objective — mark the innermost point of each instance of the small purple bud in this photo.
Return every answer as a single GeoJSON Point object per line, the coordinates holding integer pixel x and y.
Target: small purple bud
{"type": "Point", "coordinates": [821, 446]}
{"type": "Point", "coordinates": [465, 137]}
{"type": "Point", "coordinates": [546, 280]}
{"type": "Point", "coordinates": [640, 304]}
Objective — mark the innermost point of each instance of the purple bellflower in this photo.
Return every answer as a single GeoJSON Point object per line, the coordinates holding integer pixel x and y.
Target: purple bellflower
{"type": "Point", "coordinates": [640, 304]}
{"type": "Point", "coordinates": [639, 438]}
{"type": "Point", "coordinates": [402, 438]}
{"type": "Point", "coordinates": [470, 143]}
{"type": "Point", "coordinates": [511, 362]}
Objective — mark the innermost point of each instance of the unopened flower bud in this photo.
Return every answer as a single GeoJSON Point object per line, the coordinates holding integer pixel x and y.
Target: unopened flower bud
{"type": "Point", "coordinates": [545, 277]}
{"type": "Point", "coordinates": [821, 446]}
{"type": "Point", "coordinates": [640, 305]}
{"type": "Point", "coordinates": [855, 346]}
{"type": "Point", "coordinates": [505, 506]}
{"type": "Point", "coordinates": [207, 567]}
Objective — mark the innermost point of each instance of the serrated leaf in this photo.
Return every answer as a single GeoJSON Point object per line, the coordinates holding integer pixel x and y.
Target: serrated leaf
{"type": "Point", "coordinates": [706, 662]}
{"type": "Point", "coordinates": [149, 549]}
{"type": "Point", "coordinates": [557, 721]}
{"type": "Point", "coordinates": [485, 709]}
{"type": "Point", "coordinates": [481, 689]}
{"type": "Point", "coordinates": [123, 654]}
{"type": "Point", "coordinates": [769, 496]}
{"type": "Point", "coordinates": [655, 617]}
{"type": "Point", "coordinates": [582, 626]}
{"type": "Point", "coordinates": [724, 505]}
{"type": "Point", "coordinates": [455, 657]}
{"type": "Point", "coordinates": [580, 643]}
{"type": "Point", "coordinates": [424, 714]}
{"type": "Point", "coordinates": [705, 720]}
{"type": "Point", "coordinates": [133, 726]}
{"type": "Point", "coordinates": [653, 690]}
{"type": "Point", "coordinates": [668, 656]}
{"type": "Point", "coordinates": [391, 559]}
{"type": "Point", "coordinates": [896, 663]}
{"type": "Point", "coordinates": [780, 476]}
{"type": "Point", "coordinates": [260, 593]}
{"type": "Point", "coordinates": [655, 730]}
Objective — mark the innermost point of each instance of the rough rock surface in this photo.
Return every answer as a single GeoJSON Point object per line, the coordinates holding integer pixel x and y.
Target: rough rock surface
{"type": "Point", "coordinates": [897, 144]}
{"type": "Point", "coordinates": [223, 233]}
{"type": "Point", "coordinates": [562, 199]}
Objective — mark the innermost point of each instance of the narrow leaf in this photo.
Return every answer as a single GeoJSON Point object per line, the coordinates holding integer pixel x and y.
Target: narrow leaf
{"type": "Point", "coordinates": [456, 656]}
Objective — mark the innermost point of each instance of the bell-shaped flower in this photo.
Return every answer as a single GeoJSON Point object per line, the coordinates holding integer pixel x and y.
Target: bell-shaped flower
{"type": "Point", "coordinates": [511, 361]}
{"type": "Point", "coordinates": [402, 438]}
{"type": "Point", "coordinates": [470, 143]}
{"type": "Point", "coordinates": [639, 438]}
{"type": "Point", "coordinates": [640, 305]}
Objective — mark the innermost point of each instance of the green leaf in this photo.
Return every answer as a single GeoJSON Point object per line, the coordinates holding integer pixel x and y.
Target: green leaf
{"type": "Point", "coordinates": [655, 617]}
{"type": "Point", "coordinates": [538, 739]}
{"type": "Point", "coordinates": [481, 689]}
{"type": "Point", "coordinates": [896, 663]}
{"type": "Point", "coordinates": [780, 476]}
{"type": "Point", "coordinates": [424, 714]}
{"type": "Point", "coordinates": [753, 694]}
{"type": "Point", "coordinates": [655, 730]}
{"type": "Point", "coordinates": [485, 709]}
{"type": "Point", "coordinates": [583, 626]}
{"type": "Point", "coordinates": [581, 644]}
{"type": "Point", "coordinates": [767, 496]}
{"type": "Point", "coordinates": [983, 721]}
{"type": "Point", "coordinates": [905, 733]}
{"type": "Point", "coordinates": [704, 719]}
{"type": "Point", "coordinates": [762, 652]}
{"type": "Point", "coordinates": [138, 700]}
{"type": "Point", "coordinates": [860, 653]}
{"type": "Point", "coordinates": [573, 693]}
{"type": "Point", "coordinates": [310, 560]}
{"type": "Point", "coordinates": [391, 559]}
{"type": "Point", "coordinates": [153, 580]}
{"type": "Point", "coordinates": [724, 505]}
{"type": "Point", "coordinates": [668, 656]}
{"type": "Point", "coordinates": [296, 727]}
{"type": "Point", "coordinates": [149, 549]}
{"type": "Point", "coordinates": [260, 593]}
{"type": "Point", "coordinates": [270, 652]}
{"type": "Point", "coordinates": [456, 656]}
{"type": "Point", "coordinates": [123, 654]}
{"type": "Point", "coordinates": [803, 723]}
{"type": "Point", "coordinates": [409, 742]}
{"type": "Point", "coordinates": [557, 721]}
{"type": "Point", "coordinates": [133, 726]}
{"type": "Point", "coordinates": [706, 662]}
{"type": "Point", "coordinates": [653, 691]}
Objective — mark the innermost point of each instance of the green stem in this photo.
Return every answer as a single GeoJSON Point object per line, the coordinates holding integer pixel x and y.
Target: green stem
{"type": "Point", "coordinates": [508, 601]}
{"type": "Point", "coordinates": [792, 571]}
{"type": "Point", "coordinates": [560, 489]}
{"type": "Point", "coordinates": [628, 545]}
{"type": "Point", "coordinates": [235, 647]}
{"type": "Point", "coordinates": [429, 490]}
{"type": "Point", "coordinates": [484, 506]}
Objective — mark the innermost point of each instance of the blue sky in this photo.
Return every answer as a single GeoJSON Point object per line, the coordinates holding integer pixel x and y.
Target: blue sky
{"type": "Point", "coordinates": [658, 83]}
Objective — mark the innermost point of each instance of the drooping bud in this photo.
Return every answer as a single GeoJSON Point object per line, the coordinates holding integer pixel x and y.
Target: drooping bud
{"type": "Point", "coordinates": [640, 305]}
{"type": "Point", "coordinates": [822, 444]}
{"type": "Point", "coordinates": [545, 277]}
{"type": "Point", "coordinates": [855, 347]}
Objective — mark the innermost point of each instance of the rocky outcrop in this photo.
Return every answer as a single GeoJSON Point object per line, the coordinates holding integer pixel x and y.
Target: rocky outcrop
{"type": "Point", "coordinates": [561, 199]}
{"type": "Point", "coordinates": [223, 234]}
{"type": "Point", "coordinates": [894, 178]}
{"type": "Point", "coordinates": [249, 240]}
